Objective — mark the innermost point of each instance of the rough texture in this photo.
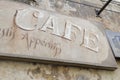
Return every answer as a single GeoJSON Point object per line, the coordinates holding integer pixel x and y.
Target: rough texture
{"type": "Point", "coordinates": [10, 70]}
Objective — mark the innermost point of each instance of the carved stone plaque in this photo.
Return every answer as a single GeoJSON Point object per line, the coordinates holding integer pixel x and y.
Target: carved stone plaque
{"type": "Point", "coordinates": [31, 34]}
{"type": "Point", "coordinates": [114, 40]}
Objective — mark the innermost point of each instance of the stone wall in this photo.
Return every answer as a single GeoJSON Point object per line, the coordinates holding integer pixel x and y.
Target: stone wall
{"type": "Point", "coordinates": [110, 19]}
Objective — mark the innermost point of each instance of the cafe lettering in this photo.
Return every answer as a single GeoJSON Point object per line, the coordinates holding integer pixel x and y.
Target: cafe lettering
{"type": "Point", "coordinates": [52, 22]}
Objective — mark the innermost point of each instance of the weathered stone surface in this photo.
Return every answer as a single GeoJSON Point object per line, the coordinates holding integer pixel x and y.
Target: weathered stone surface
{"type": "Point", "coordinates": [27, 32]}
{"type": "Point", "coordinates": [28, 71]}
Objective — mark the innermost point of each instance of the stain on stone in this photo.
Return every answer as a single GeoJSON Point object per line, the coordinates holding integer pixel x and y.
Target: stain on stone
{"type": "Point", "coordinates": [34, 72]}
{"type": "Point", "coordinates": [95, 74]}
{"type": "Point", "coordinates": [86, 11]}
{"type": "Point", "coordinates": [99, 77]}
{"type": "Point", "coordinates": [66, 73]}
{"type": "Point", "coordinates": [82, 77]}
{"type": "Point", "coordinates": [54, 70]}
{"type": "Point", "coordinates": [59, 3]}
{"type": "Point", "coordinates": [25, 1]}
{"type": "Point", "coordinates": [75, 9]}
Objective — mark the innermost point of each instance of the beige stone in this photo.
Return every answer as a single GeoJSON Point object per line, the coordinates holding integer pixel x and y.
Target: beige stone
{"type": "Point", "coordinates": [27, 32]}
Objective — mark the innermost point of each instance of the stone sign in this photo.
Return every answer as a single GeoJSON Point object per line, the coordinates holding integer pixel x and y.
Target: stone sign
{"type": "Point", "coordinates": [31, 34]}
{"type": "Point", "coordinates": [114, 40]}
